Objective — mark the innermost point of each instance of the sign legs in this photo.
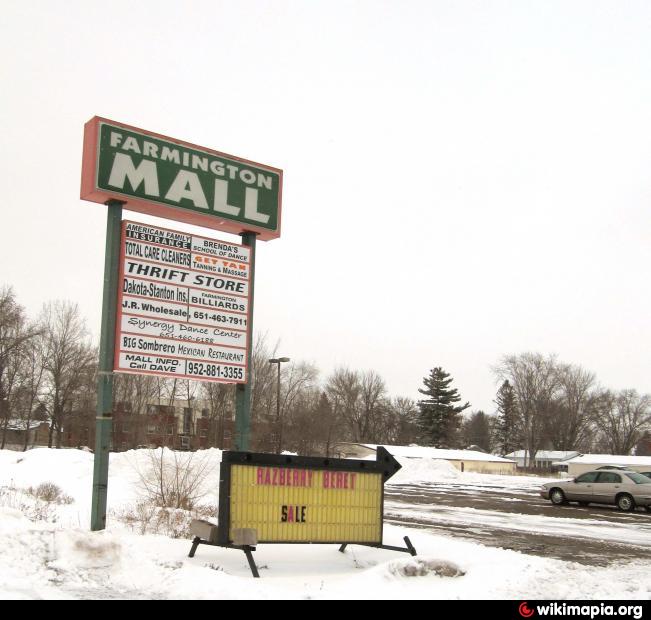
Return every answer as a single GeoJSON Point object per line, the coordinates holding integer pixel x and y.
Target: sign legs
{"type": "Point", "coordinates": [248, 552]}
{"type": "Point", "coordinates": [243, 390]}
{"type": "Point", "coordinates": [408, 549]}
{"type": "Point", "coordinates": [105, 370]}
{"type": "Point", "coordinates": [249, 556]}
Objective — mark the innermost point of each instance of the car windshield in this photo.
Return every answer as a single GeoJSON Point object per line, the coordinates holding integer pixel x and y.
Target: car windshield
{"type": "Point", "coordinates": [639, 478]}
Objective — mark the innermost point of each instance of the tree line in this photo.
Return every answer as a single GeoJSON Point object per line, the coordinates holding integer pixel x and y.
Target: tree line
{"type": "Point", "coordinates": [544, 404]}
{"type": "Point", "coordinates": [48, 371]}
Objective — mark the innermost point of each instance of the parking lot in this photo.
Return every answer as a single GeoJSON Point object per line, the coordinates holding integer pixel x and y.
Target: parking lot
{"type": "Point", "coordinates": [507, 512]}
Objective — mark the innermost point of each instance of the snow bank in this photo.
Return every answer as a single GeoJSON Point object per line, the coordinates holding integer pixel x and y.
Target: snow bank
{"type": "Point", "coordinates": [69, 469]}
{"type": "Point", "coordinates": [126, 469]}
{"type": "Point", "coordinates": [424, 470]}
{"type": "Point", "coordinates": [72, 471]}
{"type": "Point", "coordinates": [43, 561]}
{"type": "Point", "coordinates": [64, 560]}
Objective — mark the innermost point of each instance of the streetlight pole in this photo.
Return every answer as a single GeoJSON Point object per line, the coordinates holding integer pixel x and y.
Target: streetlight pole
{"type": "Point", "coordinates": [279, 427]}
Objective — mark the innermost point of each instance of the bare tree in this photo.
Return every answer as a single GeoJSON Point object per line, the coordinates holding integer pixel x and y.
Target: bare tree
{"type": "Point", "coordinates": [15, 333]}
{"type": "Point", "coordinates": [83, 408]}
{"type": "Point", "coordinates": [343, 389]}
{"type": "Point", "coordinates": [535, 382]}
{"type": "Point", "coordinates": [68, 358]}
{"type": "Point", "coordinates": [329, 421]}
{"type": "Point", "coordinates": [358, 397]}
{"type": "Point", "coordinates": [622, 418]}
{"type": "Point", "coordinates": [569, 420]}
{"type": "Point", "coordinates": [167, 390]}
{"type": "Point", "coordinates": [33, 370]}
{"type": "Point", "coordinates": [402, 420]}
{"type": "Point", "coordinates": [10, 391]}
{"type": "Point", "coordinates": [307, 426]}
{"type": "Point", "coordinates": [375, 405]}
{"type": "Point", "coordinates": [221, 399]}
{"type": "Point", "coordinates": [294, 382]}
{"type": "Point", "coordinates": [263, 379]}
{"type": "Point", "coordinates": [174, 479]}
{"type": "Point", "coordinates": [132, 394]}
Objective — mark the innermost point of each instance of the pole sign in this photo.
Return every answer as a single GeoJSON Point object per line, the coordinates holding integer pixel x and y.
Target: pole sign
{"type": "Point", "coordinates": [169, 178]}
{"type": "Point", "coordinates": [184, 305]}
{"type": "Point", "coordinates": [174, 304]}
{"type": "Point", "coordinates": [285, 499]}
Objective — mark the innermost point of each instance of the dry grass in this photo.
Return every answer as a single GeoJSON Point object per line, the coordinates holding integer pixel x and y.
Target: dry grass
{"type": "Point", "coordinates": [39, 504]}
{"type": "Point", "coordinates": [172, 486]}
{"type": "Point", "coordinates": [146, 518]}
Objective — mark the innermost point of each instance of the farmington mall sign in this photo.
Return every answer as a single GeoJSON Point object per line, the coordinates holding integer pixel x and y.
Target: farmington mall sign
{"type": "Point", "coordinates": [174, 304]}
{"type": "Point", "coordinates": [163, 176]}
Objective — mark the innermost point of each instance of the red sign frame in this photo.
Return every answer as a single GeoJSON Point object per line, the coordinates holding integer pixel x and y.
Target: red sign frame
{"type": "Point", "coordinates": [90, 191]}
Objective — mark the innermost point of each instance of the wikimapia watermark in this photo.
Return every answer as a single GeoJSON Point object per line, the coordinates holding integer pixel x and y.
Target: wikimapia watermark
{"type": "Point", "coordinates": [592, 611]}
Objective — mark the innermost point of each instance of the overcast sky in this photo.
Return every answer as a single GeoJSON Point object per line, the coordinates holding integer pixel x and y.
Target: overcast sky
{"type": "Point", "coordinates": [463, 180]}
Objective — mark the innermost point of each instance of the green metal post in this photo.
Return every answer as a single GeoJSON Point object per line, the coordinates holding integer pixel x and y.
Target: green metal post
{"type": "Point", "coordinates": [105, 373]}
{"type": "Point", "coordinates": [243, 390]}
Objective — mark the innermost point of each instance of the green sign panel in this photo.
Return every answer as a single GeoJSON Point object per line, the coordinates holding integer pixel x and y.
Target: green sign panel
{"type": "Point", "coordinates": [152, 174]}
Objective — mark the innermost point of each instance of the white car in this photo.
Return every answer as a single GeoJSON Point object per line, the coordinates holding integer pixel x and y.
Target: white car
{"type": "Point", "coordinates": [624, 489]}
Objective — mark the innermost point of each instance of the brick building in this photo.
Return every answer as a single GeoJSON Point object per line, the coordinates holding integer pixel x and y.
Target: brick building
{"type": "Point", "coordinates": [36, 434]}
{"type": "Point", "coordinates": [183, 425]}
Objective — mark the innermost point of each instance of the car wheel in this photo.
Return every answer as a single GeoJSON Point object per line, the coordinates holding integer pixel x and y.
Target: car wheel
{"type": "Point", "coordinates": [625, 502]}
{"type": "Point", "coordinates": [648, 508]}
{"type": "Point", "coordinates": [557, 497]}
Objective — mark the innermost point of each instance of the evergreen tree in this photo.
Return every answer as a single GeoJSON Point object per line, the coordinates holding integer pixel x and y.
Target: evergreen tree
{"type": "Point", "coordinates": [439, 419]}
{"type": "Point", "coordinates": [506, 423]}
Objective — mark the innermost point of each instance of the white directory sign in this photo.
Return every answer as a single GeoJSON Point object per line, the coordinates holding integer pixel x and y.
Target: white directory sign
{"type": "Point", "coordinates": [183, 308]}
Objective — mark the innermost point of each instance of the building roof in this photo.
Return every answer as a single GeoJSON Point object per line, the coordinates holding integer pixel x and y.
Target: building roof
{"type": "Point", "coordinates": [546, 455]}
{"type": "Point", "coordinates": [610, 459]}
{"type": "Point", "coordinates": [421, 452]}
{"type": "Point", "coordinates": [21, 425]}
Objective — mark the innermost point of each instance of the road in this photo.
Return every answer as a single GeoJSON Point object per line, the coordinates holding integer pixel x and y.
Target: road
{"type": "Point", "coordinates": [512, 515]}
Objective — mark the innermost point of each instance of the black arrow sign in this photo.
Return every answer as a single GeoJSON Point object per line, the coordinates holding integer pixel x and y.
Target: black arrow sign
{"type": "Point", "coordinates": [384, 464]}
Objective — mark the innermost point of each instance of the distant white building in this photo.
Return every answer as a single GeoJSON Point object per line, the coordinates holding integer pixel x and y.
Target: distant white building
{"type": "Point", "coordinates": [588, 462]}
{"type": "Point", "coordinates": [544, 458]}
{"type": "Point", "coordinates": [463, 460]}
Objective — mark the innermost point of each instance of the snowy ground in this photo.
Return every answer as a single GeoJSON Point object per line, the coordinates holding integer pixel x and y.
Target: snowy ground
{"type": "Point", "coordinates": [62, 559]}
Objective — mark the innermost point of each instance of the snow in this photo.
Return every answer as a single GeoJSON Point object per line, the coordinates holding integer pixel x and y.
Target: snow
{"type": "Point", "coordinates": [632, 534]}
{"type": "Point", "coordinates": [424, 469]}
{"type": "Point", "coordinates": [610, 459]}
{"type": "Point", "coordinates": [422, 452]}
{"type": "Point", "coordinates": [545, 455]}
{"type": "Point", "coordinates": [21, 425]}
{"type": "Point", "coordinates": [61, 559]}
{"type": "Point", "coordinates": [432, 470]}
{"type": "Point", "coordinates": [72, 471]}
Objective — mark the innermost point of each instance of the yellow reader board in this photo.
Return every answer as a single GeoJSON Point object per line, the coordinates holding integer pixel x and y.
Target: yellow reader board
{"type": "Point", "coordinates": [306, 505]}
